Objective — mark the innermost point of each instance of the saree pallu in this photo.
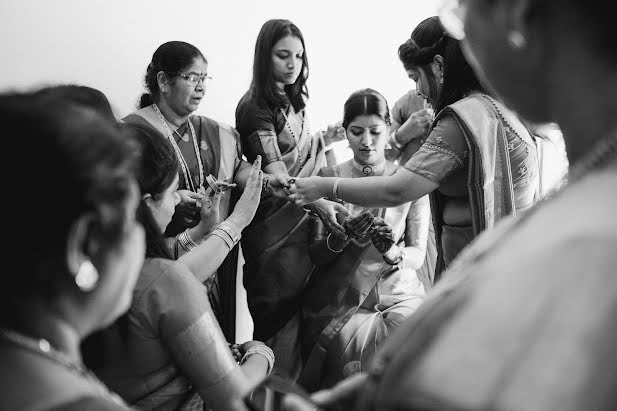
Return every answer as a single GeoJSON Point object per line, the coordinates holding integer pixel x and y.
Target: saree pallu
{"type": "Point", "coordinates": [351, 305]}
{"type": "Point", "coordinates": [492, 191]}
{"type": "Point", "coordinates": [220, 151]}
{"type": "Point", "coordinates": [275, 245]}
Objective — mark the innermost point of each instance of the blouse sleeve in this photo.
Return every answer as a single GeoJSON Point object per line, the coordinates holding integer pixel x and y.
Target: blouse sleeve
{"type": "Point", "coordinates": [444, 152]}
{"type": "Point", "coordinates": [180, 310]}
{"type": "Point", "coordinates": [257, 128]}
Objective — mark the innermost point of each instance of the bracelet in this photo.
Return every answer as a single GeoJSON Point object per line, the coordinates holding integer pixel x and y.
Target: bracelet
{"type": "Point", "coordinates": [262, 350]}
{"type": "Point", "coordinates": [231, 229]}
{"type": "Point", "coordinates": [335, 188]}
{"type": "Point", "coordinates": [394, 142]}
{"type": "Point", "coordinates": [223, 236]}
{"type": "Point", "coordinates": [186, 241]}
{"type": "Point", "coordinates": [388, 255]}
{"type": "Point", "coordinates": [330, 248]}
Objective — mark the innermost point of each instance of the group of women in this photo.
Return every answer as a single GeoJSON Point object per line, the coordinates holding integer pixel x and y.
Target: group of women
{"type": "Point", "coordinates": [140, 248]}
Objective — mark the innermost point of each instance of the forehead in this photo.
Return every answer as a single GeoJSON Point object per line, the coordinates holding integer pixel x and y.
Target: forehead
{"type": "Point", "coordinates": [289, 43]}
{"type": "Point", "coordinates": [198, 66]}
{"type": "Point", "coordinates": [367, 121]}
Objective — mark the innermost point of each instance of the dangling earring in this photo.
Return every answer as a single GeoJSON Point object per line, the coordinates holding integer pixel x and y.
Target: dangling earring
{"type": "Point", "coordinates": [516, 40]}
{"type": "Point", "coordinates": [87, 276]}
{"type": "Point", "coordinates": [441, 80]}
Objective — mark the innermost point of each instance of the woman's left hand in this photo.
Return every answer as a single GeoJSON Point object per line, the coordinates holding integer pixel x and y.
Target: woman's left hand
{"type": "Point", "coordinates": [308, 189]}
{"type": "Point", "coordinates": [382, 235]}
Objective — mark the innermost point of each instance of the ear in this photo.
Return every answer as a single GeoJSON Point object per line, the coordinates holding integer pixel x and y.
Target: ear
{"type": "Point", "coordinates": [438, 59]}
{"type": "Point", "coordinates": [79, 244]}
{"type": "Point", "coordinates": [162, 79]}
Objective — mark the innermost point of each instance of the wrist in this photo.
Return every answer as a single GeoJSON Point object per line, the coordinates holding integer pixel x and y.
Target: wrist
{"type": "Point", "coordinates": [394, 142]}
{"type": "Point", "coordinates": [333, 194]}
{"type": "Point", "coordinates": [394, 255]}
{"type": "Point", "coordinates": [264, 351]}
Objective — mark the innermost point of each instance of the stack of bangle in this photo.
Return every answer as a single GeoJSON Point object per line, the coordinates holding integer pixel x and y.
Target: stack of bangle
{"type": "Point", "coordinates": [394, 256]}
{"type": "Point", "coordinates": [228, 232]}
{"type": "Point", "coordinates": [186, 241]}
{"type": "Point", "coordinates": [262, 350]}
{"type": "Point", "coordinates": [394, 142]}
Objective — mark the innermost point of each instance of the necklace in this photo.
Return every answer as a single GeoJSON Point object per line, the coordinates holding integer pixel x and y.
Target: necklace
{"type": "Point", "coordinates": [368, 170]}
{"type": "Point", "coordinates": [188, 180]}
{"type": "Point", "coordinates": [43, 348]}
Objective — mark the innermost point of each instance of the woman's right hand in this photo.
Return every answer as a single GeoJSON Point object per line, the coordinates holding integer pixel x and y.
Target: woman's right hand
{"type": "Point", "coordinates": [249, 200]}
{"type": "Point", "coordinates": [358, 226]}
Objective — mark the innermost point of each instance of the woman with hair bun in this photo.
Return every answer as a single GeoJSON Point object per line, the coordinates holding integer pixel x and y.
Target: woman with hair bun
{"type": "Point", "coordinates": [479, 162]}
{"type": "Point", "coordinates": [366, 282]}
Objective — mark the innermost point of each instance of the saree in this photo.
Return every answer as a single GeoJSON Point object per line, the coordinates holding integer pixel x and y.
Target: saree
{"type": "Point", "coordinates": [487, 126]}
{"type": "Point", "coordinates": [354, 302]}
{"type": "Point", "coordinates": [220, 152]}
{"type": "Point", "coordinates": [168, 350]}
{"type": "Point", "coordinates": [275, 245]}
{"type": "Point", "coordinates": [524, 313]}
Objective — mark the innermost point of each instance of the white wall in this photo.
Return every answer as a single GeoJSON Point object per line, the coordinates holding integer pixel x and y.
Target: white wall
{"type": "Point", "coordinates": [107, 44]}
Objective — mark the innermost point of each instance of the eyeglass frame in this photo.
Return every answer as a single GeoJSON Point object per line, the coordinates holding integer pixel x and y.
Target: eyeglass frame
{"type": "Point", "coordinates": [201, 78]}
{"type": "Point", "coordinates": [452, 15]}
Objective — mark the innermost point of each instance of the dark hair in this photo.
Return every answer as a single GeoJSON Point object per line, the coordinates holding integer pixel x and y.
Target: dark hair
{"type": "Point", "coordinates": [170, 58]}
{"type": "Point", "coordinates": [81, 95]}
{"type": "Point", "coordinates": [68, 161]}
{"type": "Point", "coordinates": [366, 102]}
{"type": "Point", "coordinates": [263, 85]}
{"type": "Point", "coordinates": [429, 39]}
{"type": "Point", "coordinates": [156, 170]}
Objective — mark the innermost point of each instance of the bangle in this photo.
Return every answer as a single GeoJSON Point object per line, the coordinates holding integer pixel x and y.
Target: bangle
{"type": "Point", "coordinates": [186, 241]}
{"type": "Point", "coordinates": [262, 350]}
{"type": "Point", "coordinates": [335, 189]}
{"type": "Point", "coordinates": [394, 256]}
{"type": "Point", "coordinates": [394, 142]}
{"type": "Point", "coordinates": [330, 248]}
{"type": "Point", "coordinates": [229, 232]}
{"type": "Point", "coordinates": [223, 236]}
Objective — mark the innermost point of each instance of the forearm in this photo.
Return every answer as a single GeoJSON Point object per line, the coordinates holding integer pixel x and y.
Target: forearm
{"type": "Point", "coordinates": [208, 256]}
{"type": "Point", "coordinates": [390, 191]}
{"type": "Point", "coordinates": [243, 174]}
{"type": "Point", "coordinates": [255, 368]}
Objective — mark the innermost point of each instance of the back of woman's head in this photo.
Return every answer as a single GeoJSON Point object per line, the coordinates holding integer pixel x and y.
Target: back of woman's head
{"type": "Point", "coordinates": [81, 95]}
{"type": "Point", "coordinates": [263, 84]}
{"type": "Point", "coordinates": [67, 162]}
{"type": "Point", "coordinates": [156, 170]}
{"type": "Point", "coordinates": [365, 102]}
{"type": "Point", "coordinates": [171, 58]}
{"type": "Point", "coordinates": [430, 39]}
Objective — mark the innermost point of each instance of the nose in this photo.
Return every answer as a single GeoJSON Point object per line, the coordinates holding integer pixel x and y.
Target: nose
{"type": "Point", "coordinates": [367, 139]}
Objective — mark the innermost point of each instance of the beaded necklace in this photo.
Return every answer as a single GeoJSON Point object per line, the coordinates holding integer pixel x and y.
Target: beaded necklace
{"type": "Point", "coordinates": [188, 180]}
{"type": "Point", "coordinates": [43, 348]}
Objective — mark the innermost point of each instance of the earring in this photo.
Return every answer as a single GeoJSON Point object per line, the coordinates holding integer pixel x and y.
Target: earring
{"type": "Point", "coordinates": [87, 276]}
{"type": "Point", "coordinates": [516, 40]}
{"type": "Point", "coordinates": [441, 80]}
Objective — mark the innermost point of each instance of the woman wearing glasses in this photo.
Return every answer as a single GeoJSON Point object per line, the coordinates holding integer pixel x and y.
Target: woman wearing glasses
{"type": "Point", "coordinates": [176, 81]}
{"type": "Point", "coordinates": [271, 120]}
{"type": "Point", "coordinates": [478, 164]}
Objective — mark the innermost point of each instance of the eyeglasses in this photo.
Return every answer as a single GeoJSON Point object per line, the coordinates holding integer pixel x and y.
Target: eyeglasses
{"type": "Point", "coordinates": [452, 15]}
{"type": "Point", "coordinates": [194, 78]}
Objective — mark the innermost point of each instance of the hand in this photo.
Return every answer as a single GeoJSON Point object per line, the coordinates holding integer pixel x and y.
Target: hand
{"type": "Point", "coordinates": [309, 189]}
{"type": "Point", "coordinates": [415, 126]}
{"type": "Point", "coordinates": [278, 185]}
{"type": "Point", "coordinates": [334, 133]}
{"type": "Point", "coordinates": [210, 213]}
{"type": "Point", "coordinates": [382, 235]}
{"type": "Point", "coordinates": [188, 197]}
{"type": "Point", "coordinates": [358, 226]}
{"type": "Point", "coordinates": [330, 212]}
{"type": "Point", "coordinates": [249, 200]}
